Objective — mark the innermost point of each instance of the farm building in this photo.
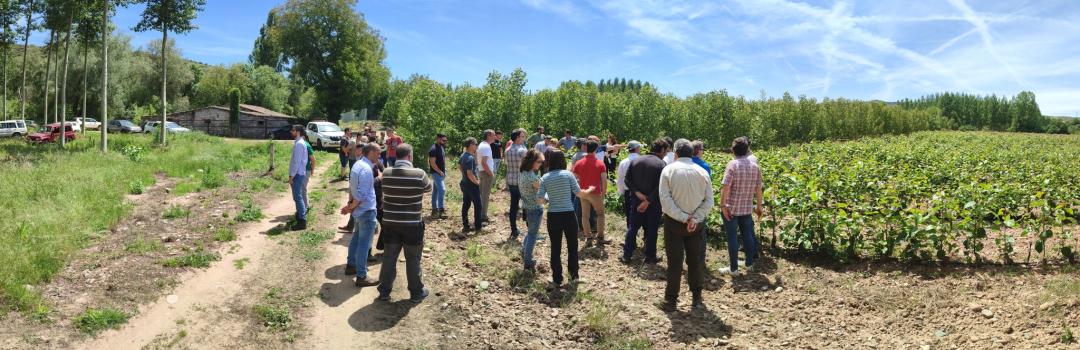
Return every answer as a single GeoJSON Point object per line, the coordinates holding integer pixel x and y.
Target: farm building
{"type": "Point", "coordinates": [255, 122]}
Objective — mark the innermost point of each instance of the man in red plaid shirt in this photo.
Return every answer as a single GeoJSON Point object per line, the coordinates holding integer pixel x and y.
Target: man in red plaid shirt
{"type": "Point", "coordinates": [742, 189]}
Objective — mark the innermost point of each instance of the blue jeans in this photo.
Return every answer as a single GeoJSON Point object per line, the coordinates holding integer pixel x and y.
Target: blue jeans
{"type": "Point", "coordinates": [307, 204]}
{"type": "Point", "coordinates": [532, 221]}
{"type": "Point", "coordinates": [744, 224]}
{"type": "Point", "coordinates": [360, 243]}
{"type": "Point", "coordinates": [650, 221]}
{"type": "Point", "coordinates": [299, 192]}
{"type": "Point", "coordinates": [438, 191]}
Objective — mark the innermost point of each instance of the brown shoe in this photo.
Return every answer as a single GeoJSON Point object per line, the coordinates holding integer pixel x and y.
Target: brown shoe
{"type": "Point", "coordinates": [366, 282]}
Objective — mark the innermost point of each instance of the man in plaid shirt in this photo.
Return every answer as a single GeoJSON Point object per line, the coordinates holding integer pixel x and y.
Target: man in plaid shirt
{"type": "Point", "coordinates": [514, 154]}
{"type": "Point", "coordinates": [742, 188]}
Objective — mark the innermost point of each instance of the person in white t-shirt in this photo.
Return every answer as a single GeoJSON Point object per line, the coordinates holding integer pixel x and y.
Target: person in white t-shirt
{"type": "Point", "coordinates": [485, 166]}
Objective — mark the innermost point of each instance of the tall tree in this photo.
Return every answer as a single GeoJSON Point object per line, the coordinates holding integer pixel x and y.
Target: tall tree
{"type": "Point", "coordinates": [266, 51]}
{"type": "Point", "coordinates": [9, 15]}
{"type": "Point", "coordinates": [29, 10]}
{"type": "Point", "coordinates": [88, 33]}
{"type": "Point", "coordinates": [69, 9]}
{"type": "Point", "coordinates": [168, 16]}
{"type": "Point", "coordinates": [329, 47]}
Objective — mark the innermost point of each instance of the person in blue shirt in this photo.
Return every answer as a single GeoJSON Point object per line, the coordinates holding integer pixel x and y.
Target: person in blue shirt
{"type": "Point", "coordinates": [299, 172]}
{"type": "Point", "coordinates": [470, 187]}
{"type": "Point", "coordinates": [699, 151]}
{"type": "Point", "coordinates": [362, 207]}
{"type": "Point", "coordinates": [558, 188]}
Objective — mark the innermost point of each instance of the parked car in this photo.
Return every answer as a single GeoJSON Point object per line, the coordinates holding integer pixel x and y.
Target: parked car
{"type": "Point", "coordinates": [51, 133]}
{"type": "Point", "coordinates": [74, 126]}
{"type": "Point", "coordinates": [172, 128]}
{"type": "Point", "coordinates": [13, 128]}
{"type": "Point", "coordinates": [122, 126]}
{"type": "Point", "coordinates": [88, 123]}
{"type": "Point", "coordinates": [324, 135]}
{"type": "Point", "coordinates": [282, 133]}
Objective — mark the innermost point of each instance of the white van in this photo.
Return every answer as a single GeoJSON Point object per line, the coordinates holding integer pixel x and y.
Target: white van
{"type": "Point", "coordinates": [13, 128]}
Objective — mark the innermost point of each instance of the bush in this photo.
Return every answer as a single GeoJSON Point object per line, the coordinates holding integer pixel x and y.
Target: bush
{"type": "Point", "coordinates": [133, 152]}
{"type": "Point", "coordinates": [212, 178]}
{"type": "Point", "coordinates": [136, 187]}
{"type": "Point", "coordinates": [93, 320]}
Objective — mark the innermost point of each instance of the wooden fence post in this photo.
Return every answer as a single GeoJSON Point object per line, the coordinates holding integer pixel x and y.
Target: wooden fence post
{"type": "Point", "coordinates": [271, 170]}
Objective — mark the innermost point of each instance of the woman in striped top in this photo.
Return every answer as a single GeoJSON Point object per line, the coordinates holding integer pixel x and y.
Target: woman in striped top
{"type": "Point", "coordinates": [557, 188]}
{"type": "Point", "coordinates": [529, 184]}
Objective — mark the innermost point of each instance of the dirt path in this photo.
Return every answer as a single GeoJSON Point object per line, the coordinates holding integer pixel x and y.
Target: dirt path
{"type": "Point", "coordinates": [202, 290]}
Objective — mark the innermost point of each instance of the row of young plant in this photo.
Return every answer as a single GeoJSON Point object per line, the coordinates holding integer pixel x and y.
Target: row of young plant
{"type": "Point", "coordinates": [927, 196]}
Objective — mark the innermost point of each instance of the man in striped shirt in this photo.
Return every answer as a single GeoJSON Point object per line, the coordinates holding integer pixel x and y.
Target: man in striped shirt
{"type": "Point", "coordinates": [403, 225]}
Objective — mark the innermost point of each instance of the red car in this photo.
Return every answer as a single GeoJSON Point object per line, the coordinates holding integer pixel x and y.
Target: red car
{"type": "Point", "coordinates": [51, 133]}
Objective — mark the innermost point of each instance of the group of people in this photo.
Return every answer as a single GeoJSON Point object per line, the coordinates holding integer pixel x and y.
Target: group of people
{"type": "Point", "coordinates": [669, 187]}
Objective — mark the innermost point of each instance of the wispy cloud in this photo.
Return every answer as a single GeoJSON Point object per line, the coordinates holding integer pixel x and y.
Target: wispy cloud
{"type": "Point", "coordinates": [635, 50]}
{"type": "Point", "coordinates": [564, 8]}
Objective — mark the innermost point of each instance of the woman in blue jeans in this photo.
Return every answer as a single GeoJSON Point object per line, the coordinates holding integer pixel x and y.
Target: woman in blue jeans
{"type": "Point", "coordinates": [528, 184]}
{"type": "Point", "coordinates": [470, 186]}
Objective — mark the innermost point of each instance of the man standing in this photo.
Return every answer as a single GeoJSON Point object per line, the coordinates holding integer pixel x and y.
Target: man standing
{"type": "Point", "coordinates": [403, 224]}
{"type": "Point", "coordinates": [687, 197]}
{"type": "Point", "coordinates": [343, 154]}
{"type": "Point", "coordinates": [591, 173]}
{"type": "Point", "coordinates": [670, 156]}
{"type": "Point", "coordinates": [514, 155]}
{"type": "Point", "coordinates": [643, 183]}
{"type": "Point", "coordinates": [536, 138]}
{"type": "Point", "coordinates": [298, 175]}
{"type": "Point", "coordinates": [486, 169]}
{"type": "Point", "coordinates": [742, 188]}
{"type": "Point", "coordinates": [633, 147]}
{"type": "Point", "coordinates": [363, 211]}
{"type": "Point", "coordinates": [437, 164]}
{"type": "Point", "coordinates": [392, 141]}
{"type": "Point", "coordinates": [568, 141]}
{"type": "Point", "coordinates": [497, 151]}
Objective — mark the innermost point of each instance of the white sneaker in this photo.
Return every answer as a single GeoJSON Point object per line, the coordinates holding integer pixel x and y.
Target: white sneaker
{"type": "Point", "coordinates": [727, 271]}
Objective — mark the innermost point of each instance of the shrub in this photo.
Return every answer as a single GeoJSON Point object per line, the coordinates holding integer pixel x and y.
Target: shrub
{"type": "Point", "coordinates": [136, 187]}
{"type": "Point", "coordinates": [212, 178]}
{"type": "Point", "coordinates": [133, 152]}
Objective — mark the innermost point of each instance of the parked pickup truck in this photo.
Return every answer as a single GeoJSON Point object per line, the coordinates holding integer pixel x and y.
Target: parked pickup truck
{"type": "Point", "coordinates": [88, 123]}
{"type": "Point", "coordinates": [51, 133]}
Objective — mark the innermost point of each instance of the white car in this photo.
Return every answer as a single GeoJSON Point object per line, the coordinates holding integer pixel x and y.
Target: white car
{"type": "Point", "coordinates": [13, 128]}
{"type": "Point", "coordinates": [74, 126]}
{"type": "Point", "coordinates": [324, 135]}
{"type": "Point", "coordinates": [172, 128]}
{"type": "Point", "coordinates": [88, 123]}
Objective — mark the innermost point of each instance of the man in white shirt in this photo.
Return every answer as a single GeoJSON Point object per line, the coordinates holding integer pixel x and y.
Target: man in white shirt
{"type": "Point", "coordinates": [670, 156]}
{"type": "Point", "coordinates": [633, 147]}
{"type": "Point", "coordinates": [486, 168]}
{"type": "Point", "coordinates": [686, 196]}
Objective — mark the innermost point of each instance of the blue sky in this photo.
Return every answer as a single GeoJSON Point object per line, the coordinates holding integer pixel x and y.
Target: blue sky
{"type": "Point", "coordinates": [881, 49]}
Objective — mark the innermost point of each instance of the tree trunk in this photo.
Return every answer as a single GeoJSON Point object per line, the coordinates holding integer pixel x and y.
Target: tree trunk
{"type": "Point", "coordinates": [105, 76]}
{"type": "Point", "coordinates": [164, 55]}
{"type": "Point", "coordinates": [63, 88]}
{"type": "Point", "coordinates": [26, 44]}
{"type": "Point", "coordinates": [85, 66]}
{"type": "Point", "coordinates": [7, 50]}
{"type": "Point", "coordinates": [56, 79]}
{"type": "Point", "coordinates": [48, 73]}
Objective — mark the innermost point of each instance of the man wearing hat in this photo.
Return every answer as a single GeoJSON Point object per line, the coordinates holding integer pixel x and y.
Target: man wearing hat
{"type": "Point", "coordinates": [634, 148]}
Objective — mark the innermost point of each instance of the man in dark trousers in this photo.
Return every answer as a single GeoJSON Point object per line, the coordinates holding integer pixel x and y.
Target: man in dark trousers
{"type": "Point", "coordinates": [403, 223]}
{"type": "Point", "coordinates": [686, 195]}
{"type": "Point", "coordinates": [643, 183]}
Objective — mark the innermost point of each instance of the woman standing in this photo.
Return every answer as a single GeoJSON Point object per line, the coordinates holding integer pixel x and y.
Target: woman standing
{"type": "Point", "coordinates": [529, 184]}
{"type": "Point", "coordinates": [470, 186]}
{"type": "Point", "coordinates": [557, 188]}
{"type": "Point", "coordinates": [611, 157]}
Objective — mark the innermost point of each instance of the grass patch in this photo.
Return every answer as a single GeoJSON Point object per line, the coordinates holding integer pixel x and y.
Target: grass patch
{"type": "Point", "coordinates": [240, 263]}
{"type": "Point", "coordinates": [143, 245]}
{"type": "Point", "coordinates": [175, 212]}
{"type": "Point", "coordinates": [212, 178]}
{"type": "Point", "coordinates": [186, 187]}
{"type": "Point", "coordinates": [198, 259]}
{"type": "Point", "coordinates": [93, 321]}
{"type": "Point", "coordinates": [249, 213]}
{"type": "Point", "coordinates": [273, 311]}
{"type": "Point", "coordinates": [477, 255]}
{"type": "Point", "coordinates": [224, 235]}
{"type": "Point", "coordinates": [329, 208]}
{"type": "Point", "coordinates": [310, 244]}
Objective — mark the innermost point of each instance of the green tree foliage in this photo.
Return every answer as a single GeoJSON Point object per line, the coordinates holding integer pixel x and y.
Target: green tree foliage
{"type": "Point", "coordinates": [168, 16]}
{"type": "Point", "coordinates": [262, 86]}
{"type": "Point", "coordinates": [973, 112]}
{"type": "Point", "coordinates": [328, 47]}
{"type": "Point", "coordinates": [266, 51]}
{"type": "Point", "coordinates": [423, 107]}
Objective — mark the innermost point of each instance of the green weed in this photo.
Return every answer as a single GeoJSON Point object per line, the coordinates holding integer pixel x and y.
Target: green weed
{"type": "Point", "coordinates": [93, 321]}
{"type": "Point", "coordinates": [198, 259]}
{"type": "Point", "coordinates": [136, 187]}
{"type": "Point", "coordinates": [143, 245]}
{"type": "Point", "coordinates": [240, 263]}
{"type": "Point", "coordinates": [224, 235]}
{"type": "Point", "coordinates": [175, 212]}
{"type": "Point", "coordinates": [249, 213]}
